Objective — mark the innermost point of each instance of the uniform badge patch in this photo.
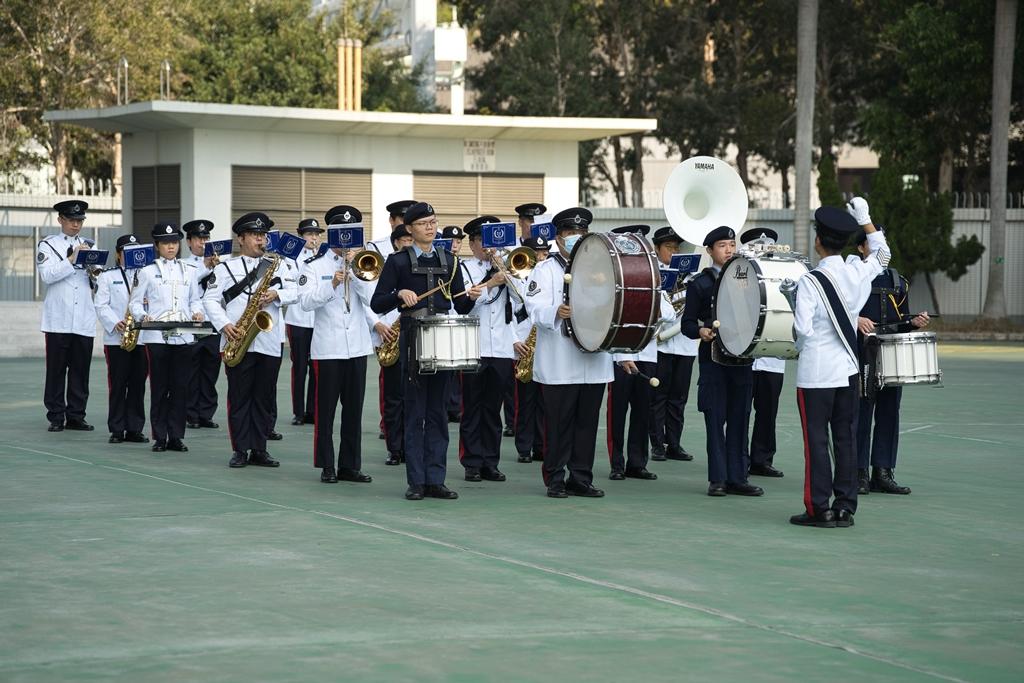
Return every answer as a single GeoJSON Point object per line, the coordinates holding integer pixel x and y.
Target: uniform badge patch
{"type": "Point", "coordinates": [302, 280]}
{"type": "Point", "coordinates": [40, 257]}
{"type": "Point", "coordinates": [532, 289]}
{"type": "Point", "coordinates": [211, 279]}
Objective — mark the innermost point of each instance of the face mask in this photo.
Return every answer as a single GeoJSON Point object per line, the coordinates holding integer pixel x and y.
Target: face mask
{"type": "Point", "coordinates": [571, 241]}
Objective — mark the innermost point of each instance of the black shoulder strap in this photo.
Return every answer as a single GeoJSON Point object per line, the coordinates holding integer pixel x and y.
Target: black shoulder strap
{"type": "Point", "coordinates": [243, 284]}
{"type": "Point", "coordinates": [54, 250]}
{"type": "Point", "coordinates": [837, 312]}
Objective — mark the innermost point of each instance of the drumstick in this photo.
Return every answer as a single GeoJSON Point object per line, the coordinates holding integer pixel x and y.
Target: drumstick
{"type": "Point", "coordinates": [427, 293]}
{"type": "Point", "coordinates": [653, 381]}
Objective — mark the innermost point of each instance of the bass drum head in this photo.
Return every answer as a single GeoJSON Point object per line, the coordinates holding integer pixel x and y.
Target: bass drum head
{"type": "Point", "coordinates": [738, 305]}
{"type": "Point", "coordinates": [592, 291]}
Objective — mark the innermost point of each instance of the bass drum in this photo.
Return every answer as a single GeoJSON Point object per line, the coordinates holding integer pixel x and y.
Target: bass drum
{"type": "Point", "coordinates": [755, 319]}
{"type": "Point", "coordinates": [614, 291]}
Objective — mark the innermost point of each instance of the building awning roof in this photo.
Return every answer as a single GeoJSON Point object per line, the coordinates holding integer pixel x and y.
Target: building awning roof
{"type": "Point", "coordinates": [158, 115]}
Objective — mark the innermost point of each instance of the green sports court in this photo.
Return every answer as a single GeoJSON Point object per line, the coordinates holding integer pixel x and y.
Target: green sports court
{"type": "Point", "coordinates": [117, 563]}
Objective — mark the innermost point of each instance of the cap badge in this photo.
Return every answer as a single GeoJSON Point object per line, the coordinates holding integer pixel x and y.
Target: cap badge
{"type": "Point", "coordinates": [76, 209]}
{"type": "Point", "coordinates": [168, 230]}
{"type": "Point", "coordinates": [258, 223]}
{"type": "Point", "coordinates": [577, 219]}
{"type": "Point", "coordinates": [132, 239]}
{"type": "Point", "coordinates": [314, 223]}
{"type": "Point", "coordinates": [347, 215]}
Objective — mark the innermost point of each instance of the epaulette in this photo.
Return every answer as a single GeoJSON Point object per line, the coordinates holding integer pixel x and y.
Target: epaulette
{"type": "Point", "coordinates": [313, 258]}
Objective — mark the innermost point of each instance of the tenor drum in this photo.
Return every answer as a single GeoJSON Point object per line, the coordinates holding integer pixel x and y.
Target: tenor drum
{"type": "Point", "coordinates": [908, 358]}
{"type": "Point", "coordinates": [448, 342]}
{"type": "Point", "coordinates": [756, 320]}
{"type": "Point", "coordinates": [614, 292]}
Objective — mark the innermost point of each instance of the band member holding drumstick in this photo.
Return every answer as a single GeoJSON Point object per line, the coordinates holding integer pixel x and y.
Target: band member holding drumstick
{"type": "Point", "coordinates": [827, 302]}
{"type": "Point", "coordinates": [723, 391]}
{"type": "Point", "coordinates": [572, 382]}
{"type": "Point", "coordinates": [675, 370]}
{"type": "Point", "coordinates": [883, 313]}
{"type": "Point", "coordinates": [767, 385]}
{"type": "Point", "coordinates": [407, 275]}
{"type": "Point", "coordinates": [390, 379]}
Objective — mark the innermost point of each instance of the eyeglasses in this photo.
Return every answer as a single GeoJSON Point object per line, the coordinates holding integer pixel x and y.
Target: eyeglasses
{"type": "Point", "coordinates": [432, 222]}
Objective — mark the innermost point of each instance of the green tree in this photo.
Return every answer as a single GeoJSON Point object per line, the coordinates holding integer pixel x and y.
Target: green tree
{"type": "Point", "coordinates": [828, 186]}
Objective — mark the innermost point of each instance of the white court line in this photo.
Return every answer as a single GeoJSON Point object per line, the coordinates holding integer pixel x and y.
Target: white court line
{"type": "Point", "coordinates": [916, 429]}
{"type": "Point", "coordinates": [969, 438]}
{"type": "Point", "coordinates": [610, 585]}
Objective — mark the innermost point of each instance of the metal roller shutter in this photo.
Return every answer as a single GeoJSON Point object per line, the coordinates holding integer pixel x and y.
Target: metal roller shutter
{"type": "Point", "coordinates": [501, 193]}
{"type": "Point", "coordinates": [327, 188]}
{"type": "Point", "coordinates": [453, 195]}
{"type": "Point", "coordinates": [288, 195]}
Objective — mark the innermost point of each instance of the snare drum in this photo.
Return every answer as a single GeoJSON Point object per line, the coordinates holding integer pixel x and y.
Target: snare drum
{"type": "Point", "coordinates": [756, 320]}
{"type": "Point", "coordinates": [614, 292]}
{"type": "Point", "coordinates": [908, 358]}
{"type": "Point", "coordinates": [448, 342]}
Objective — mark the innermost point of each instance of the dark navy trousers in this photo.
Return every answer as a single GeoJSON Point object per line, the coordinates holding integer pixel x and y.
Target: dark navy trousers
{"type": "Point", "coordinates": [723, 396]}
{"type": "Point", "coordinates": [878, 448]}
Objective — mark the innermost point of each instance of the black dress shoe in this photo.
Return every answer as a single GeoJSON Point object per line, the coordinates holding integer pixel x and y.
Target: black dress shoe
{"type": "Point", "coordinates": [159, 446]}
{"type": "Point", "coordinates": [297, 421]}
{"type": "Point", "coordinates": [766, 471]}
{"type": "Point", "coordinates": [473, 474]}
{"type": "Point", "coordinates": [716, 489]}
{"type": "Point", "coordinates": [309, 419]}
{"type": "Point", "coordinates": [394, 459]}
{"type": "Point", "coordinates": [678, 454]}
{"type": "Point", "coordinates": [354, 475]}
{"type": "Point", "coordinates": [641, 473]}
{"type": "Point", "coordinates": [116, 437]}
{"type": "Point", "coordinates": [882, 481]}
{"type": "Point", "coordinates": [744, 489]}
{"type": "Point", "coordinates": [328, 475]}
{"type": "Point", "coordinates": [136, 437]}
{"type": "Point", "coordinates": [193, 424]}
{"type": "Point", "coordinates": [587, 491]}
{"type": "Point", "coordinates": [525, 457]}
{"type": "Point", "coordinates": [380, 435]}
{"type": "Point", "coordinates": [824, 520]}
{"type": "Point", "coordinates": [538, 457]}
{"type": "Point", "coordinates": [508, 431]}
{"type": "Point", "coordinates": [79, 426]}
{"type": "Point", "coordinates": [492, 475]}
{"type": "Point", "coordinates": [414, 492]}
{"type": "Point", "coordinates": [454, 417]}
{"type": "Point", "coordinates": [557, 491]}
{"type": "Point", "coordinates": [440, 491]}
{"type": "Point", "coordinates": [177, 445]}
{"type": "Point", "coordinates": [208, 424]}
{"type": "Point", "coordinates": [238, 459]}
{"type": "Point", "coordinates": [863, 482]}
{"type": "Point", "coordinates": [274, 436]}
{"type": "Point", "coordinates": [262, 459]}
{"type": "Point", "coordinates": [55, 427]}
{"type": "Point", "coordinates": [844, 518]}
{"type": "Point", "coordinates": [617, 475]}
{"type": "Point", "coordinates": [658, 454]}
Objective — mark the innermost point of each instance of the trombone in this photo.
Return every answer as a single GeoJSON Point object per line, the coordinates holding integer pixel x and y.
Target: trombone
{"type": "Point", "coordinates": [366, 265]}
{"type": "Point", "coordinates": [518, 263]}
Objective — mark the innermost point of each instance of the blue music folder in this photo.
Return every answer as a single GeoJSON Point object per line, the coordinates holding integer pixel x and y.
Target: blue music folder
{"type": "Point", "coordinates": [545, 230]}
{"type": "Point", "coordinates": [91, 258]}
{"type": "Point", "coordinates": [345, 236]}
{"type": "Point", "coordinates": [685, 263]}
{"type": "Point", "coordinates": [669, 278]}
{"type": "Point", "coordinates": [217, 247]}
{"type": "Point", "coordinates": [498, 235]}
{"type": "Point", "coordinates": [443, 243]}
{"type": "Point", "coordinates": [139, 255]}
{"type": "Point", "coordinates": [290, 245]}
{"type": "Point", "coordinates": [272, 237]}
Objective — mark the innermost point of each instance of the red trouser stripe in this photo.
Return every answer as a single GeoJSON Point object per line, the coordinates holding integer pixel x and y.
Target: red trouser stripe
{"type": "Point", "coordinates": [807, 452]}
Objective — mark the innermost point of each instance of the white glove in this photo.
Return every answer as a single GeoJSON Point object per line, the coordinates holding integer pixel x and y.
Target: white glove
{"type": "Point", "coordinates": [858, 208]}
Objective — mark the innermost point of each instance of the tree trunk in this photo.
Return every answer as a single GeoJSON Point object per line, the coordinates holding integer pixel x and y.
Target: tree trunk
{"type": "Point", "coordinates": [931, 291]}
{"type": "Point", "coordinates": [637, 176]}
{"type": "Point", "coordinates": [741, 165]}
{"type": "Point", "coordinates": [1002, 77]}
{"type": "Point", "coordinates": [806, 40]}
{"type": "Point", "coordinates": [118, 171]}
{"type": "Point", "coordinates": [620, 173]}
{"type": "Point", "coordinates": [59, 157]}
{"type": "Point", "coordinates": [946, 171]}
{"type": "Point", "coordinates": [785, 189]}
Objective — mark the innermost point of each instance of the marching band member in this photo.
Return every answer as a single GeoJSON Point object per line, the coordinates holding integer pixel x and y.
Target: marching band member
{"type": "Point", "coordinates": [882, 313]}
{"type": "Point", "coordinates": [167, 290]}
{"type": "Point", "coordinates": [406, 275]}
{"type": "Point", "coordinates": [390, 378]}
{"type": "Point", "coordinates": [251, 398]}
{"type": "Point", "coordinates": [723, 391]}
{"type": "Point", "coordinates": [126, 369]}
{"type": "Point", "coordinates": [768, 374]}
{"type": "Point", "coordinates": [827, 301]}
{"type": "Point", "coordinates": [204, 369]}
{"type": "Point", "coordinates": [69, 320]}
{"type": "Point", "coordinates": [675, 370]}
{"type": "Point", "coordinates": [340, 345]}
{"type": "Point", "coordinates": [299, 328]}
{"type": "Point", "coordinates": [482, 391]}
{"type": "Point", "coordinates": [629, 392]}
{"type": "Point", "coordinates": [526, 214]}
{"type": "Point", "coordinates": [454, 405]}
{"type": "Point", "coordinates": [528, 416]}
{"type": "Point", "coordinates": [572, 382]}
{"type": "Point", "coordinates": [396, 213]}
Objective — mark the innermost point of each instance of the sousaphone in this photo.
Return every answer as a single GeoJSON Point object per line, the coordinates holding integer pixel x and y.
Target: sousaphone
{"type": "Point", "coordinates": [701, 194]}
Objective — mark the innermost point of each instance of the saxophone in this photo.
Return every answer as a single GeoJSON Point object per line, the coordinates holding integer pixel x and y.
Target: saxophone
{"type": "Point", "coordinates": [387, 352]}
{"type": "Point", "coordinates": [253, 320]}
{"type": "Point", "coordinates": [524, 366]}
{"type": "Point", "coordinates": [130, 336]}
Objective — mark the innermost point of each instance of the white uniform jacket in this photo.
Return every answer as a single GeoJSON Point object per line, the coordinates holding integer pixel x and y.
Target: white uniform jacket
{"type": "Point", "coordinates": [337, 333]}
{"type": "Point", "coordinates": [496, 336]}
{"type": "Point", "coordinates": [296, 315]}
{"type": "Point", "coordinates": [113, 289]}
{"type": "Point", "coordinates": [557, 359]}
{"type": "Point", "coordinates": [68, 305]}
{"type": "Point", "coordinates": [236, 269]}
{"type": "Point", "coordinates": [164, 286]}
{"type": "Point", "coordinates": [680, 344]}
{"type": "Point", "coordinates": [770, 364]}
{"type": "Point", "coordinates": [823, 361]}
